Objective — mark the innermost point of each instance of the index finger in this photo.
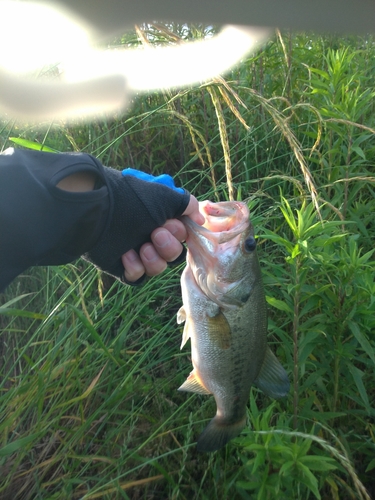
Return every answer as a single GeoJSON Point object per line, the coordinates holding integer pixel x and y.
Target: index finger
{"type": "Point", "coordinates": [192, 211]}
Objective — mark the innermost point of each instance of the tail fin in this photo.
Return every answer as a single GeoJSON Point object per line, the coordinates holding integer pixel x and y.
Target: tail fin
{"type": "Point", "coordinates": [218, 433]}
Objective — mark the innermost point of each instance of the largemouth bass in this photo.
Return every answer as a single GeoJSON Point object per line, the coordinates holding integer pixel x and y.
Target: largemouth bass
{"type": "Point", "coordinates": [225, 315]}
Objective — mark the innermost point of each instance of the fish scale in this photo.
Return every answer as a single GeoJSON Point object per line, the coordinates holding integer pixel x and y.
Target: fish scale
{"type": "Point", "coordinates": [225, 314]}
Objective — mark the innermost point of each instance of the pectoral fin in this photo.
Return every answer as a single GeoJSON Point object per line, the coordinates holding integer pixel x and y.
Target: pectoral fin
{"type": "Point", "coordinates": [219, 330]}
{"type": "Point", "coordinates": [193, 384]}
{"type": "Point", "coordinates": [272, 378]}
{"type": "Point", "coordinates": [181, 315]}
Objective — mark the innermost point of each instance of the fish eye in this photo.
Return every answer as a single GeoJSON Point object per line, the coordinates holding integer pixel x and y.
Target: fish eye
{"type": "Point", "coordinates": [250, 244]}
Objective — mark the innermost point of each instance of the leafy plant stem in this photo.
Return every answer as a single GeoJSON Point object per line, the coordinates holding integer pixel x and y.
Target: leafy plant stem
{"type": "Point", "coordinates": [336, 369]}
{"type": "Point", "coordinates": [295, 345]}
{"type": "Point", "coordinates": [336, 382]}
{"type": "Point", "coordinates": [346, 188]}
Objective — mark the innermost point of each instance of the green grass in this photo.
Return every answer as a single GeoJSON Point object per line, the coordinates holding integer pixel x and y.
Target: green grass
{"type": "Point", "coordinates": [89, 368]}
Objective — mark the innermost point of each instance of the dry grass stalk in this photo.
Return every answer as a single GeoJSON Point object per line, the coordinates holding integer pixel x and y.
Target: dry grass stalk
{"type": "Point", "coordinates": [224, 140]}
{"type": "Point", "coordinates": [194, 133]}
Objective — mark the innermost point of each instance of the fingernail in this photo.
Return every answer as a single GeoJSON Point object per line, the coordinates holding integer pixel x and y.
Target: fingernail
{"type": "Point", "coordinates": [149, 253]}
{"type": "Point", "coordinates": [131, 256]}
{"type": "Point", "coordinates": [162, 238]}
{"type": "Point", "coordinates": [172, 229]}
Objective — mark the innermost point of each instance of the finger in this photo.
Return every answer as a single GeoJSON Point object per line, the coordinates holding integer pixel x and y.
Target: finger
{"type": "Point", "coordinates": [133, 265]}
{"type": "Point", "coordinates": [192, 210]}
{"type": "Point", "coordinates": [176, 228]}
{"type": "Point", "coordinates": [153, 263]}
{"type": "Point", "coordinates": [167, 245]}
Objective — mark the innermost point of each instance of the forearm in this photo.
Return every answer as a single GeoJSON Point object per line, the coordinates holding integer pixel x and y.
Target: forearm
{"type": "Point", "coordinates": [41, 223]}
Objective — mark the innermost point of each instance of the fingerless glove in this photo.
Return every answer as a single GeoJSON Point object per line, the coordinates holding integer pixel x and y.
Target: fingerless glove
{"type": "Point", "coordinates": [137, 208]}
{"type": "Point", "coordinates": [41, 224]}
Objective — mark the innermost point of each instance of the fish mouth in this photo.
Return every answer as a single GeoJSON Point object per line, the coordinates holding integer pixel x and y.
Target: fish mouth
{"type": "Point", "coordinates": [225, 217]}
{"type": "Point", "coordinates": [220, 235]}
{"type": "Point", "coordinates": [223, 221]}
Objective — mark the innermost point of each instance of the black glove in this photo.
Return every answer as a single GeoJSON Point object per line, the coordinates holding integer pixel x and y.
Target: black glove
{"type": "Point", "coordinates": [137, 208]}
{"type": "Point", "coordinates": [41, 224]}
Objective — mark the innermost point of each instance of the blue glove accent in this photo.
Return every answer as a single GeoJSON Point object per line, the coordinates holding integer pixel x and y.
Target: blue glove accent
{"type": "Point", "coordinates": [165, 179]}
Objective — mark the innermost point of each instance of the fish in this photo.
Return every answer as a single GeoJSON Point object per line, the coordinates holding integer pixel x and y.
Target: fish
{"type": "Point", "coordinates": [225, 314]}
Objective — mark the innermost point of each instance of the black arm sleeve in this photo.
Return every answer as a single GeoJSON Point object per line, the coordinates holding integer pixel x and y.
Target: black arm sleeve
{"type": "Point", "coordinates": [41, 224]}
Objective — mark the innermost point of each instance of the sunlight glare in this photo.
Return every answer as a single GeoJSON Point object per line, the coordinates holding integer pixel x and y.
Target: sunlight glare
{"type": "Point", "coordinates": [90, 81]}
{"type": "Point", "coordinates": [37, 35]}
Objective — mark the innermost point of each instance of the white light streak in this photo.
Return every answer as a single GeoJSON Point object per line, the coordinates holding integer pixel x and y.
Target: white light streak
{"type": "Point", "coordinates": [94, 81]}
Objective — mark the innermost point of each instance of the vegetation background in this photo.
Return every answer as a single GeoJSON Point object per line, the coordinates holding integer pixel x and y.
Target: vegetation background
{"type": "Point", "coordinates": [89, 368]}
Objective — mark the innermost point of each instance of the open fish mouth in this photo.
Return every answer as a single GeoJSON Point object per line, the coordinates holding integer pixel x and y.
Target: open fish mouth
{"type": "Point", "coordinates": [223, 221]}
{"type": "Point", "coordinates": [224, 217]}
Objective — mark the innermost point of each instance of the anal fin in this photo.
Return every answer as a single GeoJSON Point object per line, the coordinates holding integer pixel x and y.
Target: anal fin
{"type": "Point", "coordinates": [193, 384]}
{"type": "Point", "coordinates": [272, 379]}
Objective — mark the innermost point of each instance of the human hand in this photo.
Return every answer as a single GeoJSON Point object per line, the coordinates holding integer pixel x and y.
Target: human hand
{"type": "Point", "coordinates": [165, 246]}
